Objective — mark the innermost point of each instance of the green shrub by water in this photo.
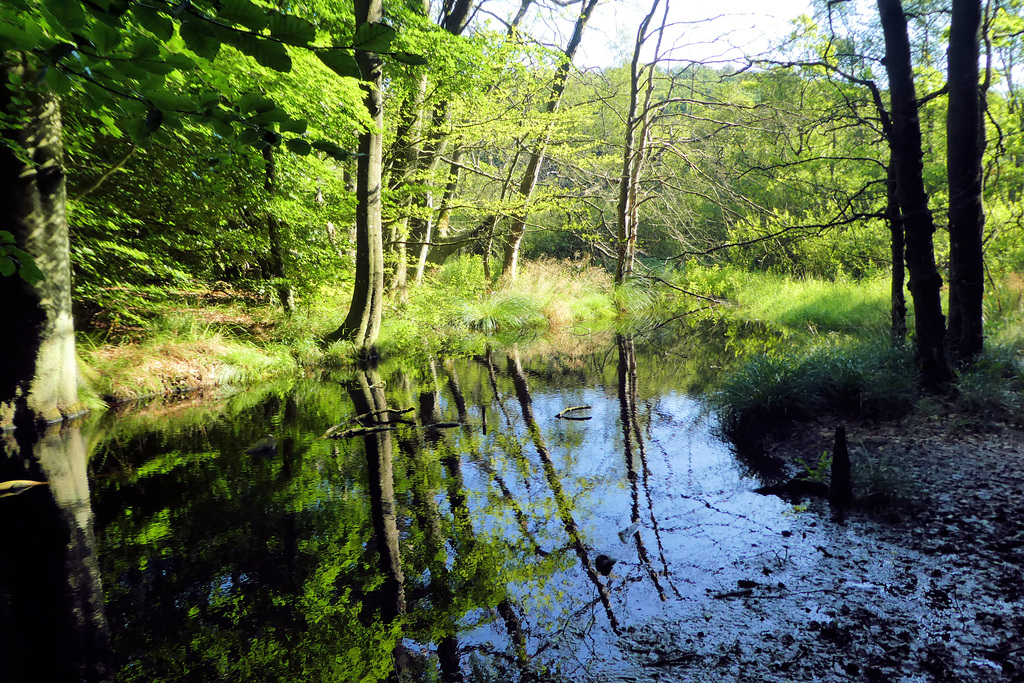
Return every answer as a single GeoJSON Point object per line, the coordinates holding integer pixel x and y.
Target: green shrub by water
{"type": "Point", "coordinates": [771, 390]}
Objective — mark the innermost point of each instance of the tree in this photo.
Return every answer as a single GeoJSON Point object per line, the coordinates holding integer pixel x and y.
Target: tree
{"type": "Point", "coordinates": [634, 146]}
{"type": "Point", "coordinates": [362, 325]}
{"type": "Point", "coordinates": [965, 133]}
{"type": "Point", "coordinates": [532, 172]}
{"type": "Point", "coordinates": [907, 154]}
{"type": "Point", "coordinates": [39, 375]}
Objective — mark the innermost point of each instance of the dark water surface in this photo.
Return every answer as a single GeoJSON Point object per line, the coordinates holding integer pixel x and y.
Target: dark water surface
{"type": "Point", "coordinates": [455, 527]}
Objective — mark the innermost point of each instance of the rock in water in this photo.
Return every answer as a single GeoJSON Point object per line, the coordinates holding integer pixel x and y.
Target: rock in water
{"type": "Point", "coordinates": [264, 448]}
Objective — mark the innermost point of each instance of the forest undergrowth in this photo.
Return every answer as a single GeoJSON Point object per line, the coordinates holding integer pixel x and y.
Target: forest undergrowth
{"type": "Point", "coordinates": [829, 350]}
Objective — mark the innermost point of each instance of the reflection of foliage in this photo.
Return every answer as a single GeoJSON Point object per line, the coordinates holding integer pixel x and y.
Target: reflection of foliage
{"type": "Point", "coordinates": [220, 565]}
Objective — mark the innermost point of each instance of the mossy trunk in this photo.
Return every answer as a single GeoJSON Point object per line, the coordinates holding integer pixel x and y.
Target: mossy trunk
{"type": "Point", "coordinates": [38, 370]}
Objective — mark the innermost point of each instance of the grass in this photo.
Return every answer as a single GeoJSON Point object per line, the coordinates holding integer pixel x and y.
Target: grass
{"type": "Point", "coordinates": [801, 305]}
{"type": "Point", "coordinates": [190, 342]}
{"type": "Point", "coordinates": [853, 369]}
{"type": "Point", "coordinates": [455, 311]}
{"type": "Point", "coordinates": [772, 390]}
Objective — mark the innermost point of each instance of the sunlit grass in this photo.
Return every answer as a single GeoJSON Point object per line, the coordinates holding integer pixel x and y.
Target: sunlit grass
{"type": "Point", "coordinates": [817, 305]}
{"type": "Point", "coordinates": [182, 351]}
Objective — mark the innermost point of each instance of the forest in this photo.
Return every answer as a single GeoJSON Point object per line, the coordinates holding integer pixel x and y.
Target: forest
{"type": "Point", "coordinates": [328, 162]}
{"type": "Point", "coordinates": [417, 347]}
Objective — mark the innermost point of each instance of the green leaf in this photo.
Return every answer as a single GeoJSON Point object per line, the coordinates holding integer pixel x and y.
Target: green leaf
{"type": "Point", "coordinates": [249, 136]}
{"type": "Point", "coordinates": [410, 58]}
{"type": "Point", "coordinates": [292, 30]}
{"type": "Point", "coordinates": [170, 101]}
{"type": "Point", "coordinates": [223, 128]}
{"type": "Point", "coordinates": [58, 82]}
{"type": "Point", "coordinates": [297, 146]}
{"type": "Point", "coordinates": [68, 13]}
{"type": "Point", "coordinates": [30, 272]}
{"type": "Point", "coordinates": [200, 41]}
{"type": "Point", "coordinates": [255, 102]}
{"type": "Point", "coordinates": [23, 37]}
{"type": "Point", "coordinates": [145, 47]}
{"type": "Point", "coordinates": [6, 237]}
{"type": "Point", "coordinates": [373, 37]}
{"type": "Point", "coordinates": [297, 126]}
{"type": "Point", "coordinates": [28, 269]}
{"type": "Point", "coordinates": [331, 149]}
{"type": "Point", "coordinates": [137, 130]}
{"type": "Point", "coordinates": [243, 12]}
{"type": "Point", "coordinates": [268, 53]}
{"type": "Point", "coordinates": [7, 266]}
{"type": "Point", "coordinates": [272, 116]}
{"type": "Point", "coordinates": [152, 65]}
{"type": "Point", "coordinates": [209, 98]}
{"type": "Point", "coordinates": [158, 24]}
{"type": "Point", "coordinates": [340, 62]}
{"type": "Point", "coordinates": [181, 62]}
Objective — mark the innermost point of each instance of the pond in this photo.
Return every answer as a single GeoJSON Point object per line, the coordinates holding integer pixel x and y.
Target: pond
{"type": "Point", "coordinates": [496, 518]}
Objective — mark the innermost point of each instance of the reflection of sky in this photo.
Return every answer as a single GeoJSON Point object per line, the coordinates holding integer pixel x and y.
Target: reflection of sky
{"type": "Point", "coordinates": [712, 528]}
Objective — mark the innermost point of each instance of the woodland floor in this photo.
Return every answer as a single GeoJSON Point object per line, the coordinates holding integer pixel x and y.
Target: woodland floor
{"type": "Point", "coordinates": [923, 581]}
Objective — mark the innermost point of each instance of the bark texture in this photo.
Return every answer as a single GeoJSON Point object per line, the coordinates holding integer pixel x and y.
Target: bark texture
{"type": "Point", "coordinates": [907, 156]}
{"type": "Point", "coordinates": [965, 131]}
{"type": "Point", "coordinates": [362, 325]}
{"type": "Point", "coordinates": [38, 370]}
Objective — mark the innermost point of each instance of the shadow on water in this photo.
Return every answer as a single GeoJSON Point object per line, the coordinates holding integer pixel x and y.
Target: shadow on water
{"type": "Point", "coordinates": [444, 522]}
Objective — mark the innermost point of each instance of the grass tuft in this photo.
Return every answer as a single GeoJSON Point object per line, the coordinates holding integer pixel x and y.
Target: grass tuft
{"type": "Point", "coordinates": [769, 392]}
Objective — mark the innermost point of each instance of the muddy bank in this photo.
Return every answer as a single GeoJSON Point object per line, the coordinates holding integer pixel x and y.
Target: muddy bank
{"type": "Point", "coordinates": [922, 581]}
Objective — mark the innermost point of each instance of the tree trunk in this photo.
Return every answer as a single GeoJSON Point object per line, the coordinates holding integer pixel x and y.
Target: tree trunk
{"type": "Point", "coordinates": [907, 155]}
{"type": "Point", "coordinates": [281, 285]}
{"type": "Point", "coordinates": [965, 130]}
{"type": "Point", "coordinates": [38, 370]}
{"type": "Point", "coordinates": [405, 159]}
{"type": "Point", "coordinates": [633, 153]}
{"type": "Point", "coordinates": [362, 325]}
{"type": "Point", "coordinates": [510, 262]}
{"type": "Point", "coordinates": [898, 311]}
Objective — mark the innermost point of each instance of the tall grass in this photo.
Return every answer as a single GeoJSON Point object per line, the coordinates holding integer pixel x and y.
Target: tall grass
{"type": "Point", "coordinates": [456, 307]}
{"type": "Point", "coordinates": [813, 305]}
{"type": "Point", "coordinates": [771, 390]}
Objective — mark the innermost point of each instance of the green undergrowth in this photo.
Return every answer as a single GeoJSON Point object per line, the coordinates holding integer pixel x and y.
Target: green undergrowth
{"type": "Point", "coordinates": [192, 341]}
{"type": "Point", "coordinates": [456, 311]}
{"type": "Point", "coordinates": [854, 369]}
{"type": "Point", "coordinates": [803, 305]}
{"type": "Point", "coordinates": [773, 389]}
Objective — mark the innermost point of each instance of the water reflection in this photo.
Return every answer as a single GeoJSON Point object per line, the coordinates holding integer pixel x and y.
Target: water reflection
{"type": "Point", "coordinates": [450, 528]}
{"type": "Point", "coordinates": [52, 622]}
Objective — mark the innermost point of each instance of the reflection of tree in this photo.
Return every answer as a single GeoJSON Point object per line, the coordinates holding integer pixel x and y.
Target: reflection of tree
{"type": "Point", "coordinates": [636, 457]}
{"type": "Point", "coordinates": [298, 566]}
{"type": "Point", "coordinates": [52, 622]}
{"type": "Point", "coordinates": [441, 581]}
{"type": "Point", "coordinates": [565, 507]}
{"type": "Point", "coordinates": [371, 405]}
{"type": "Point", "coordinates": [506, 609]}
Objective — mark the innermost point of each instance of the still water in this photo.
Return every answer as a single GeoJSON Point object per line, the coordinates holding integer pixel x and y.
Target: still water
{"type": "Point", "coordinates": [499, 518]}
